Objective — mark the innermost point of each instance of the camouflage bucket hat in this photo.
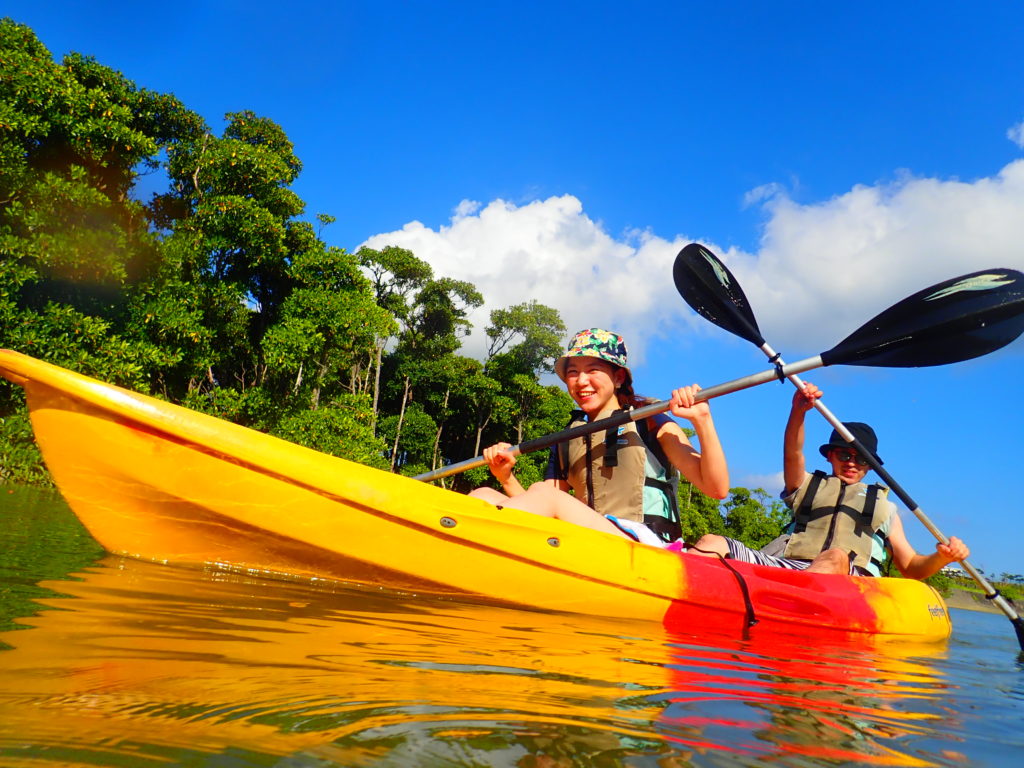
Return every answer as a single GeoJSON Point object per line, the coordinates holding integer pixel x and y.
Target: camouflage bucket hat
{"type": "Point", "coordinates": [599, 343]}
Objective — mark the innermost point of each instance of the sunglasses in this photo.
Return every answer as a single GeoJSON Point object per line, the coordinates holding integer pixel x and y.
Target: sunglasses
{"type": "Point", "coordinates": [844, 456]}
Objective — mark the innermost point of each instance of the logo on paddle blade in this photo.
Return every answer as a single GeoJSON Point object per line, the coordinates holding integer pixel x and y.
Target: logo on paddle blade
{"type": "Point", "coordinates": [716, 266]}
{"type": "Point", "coordinates": [985, 282]}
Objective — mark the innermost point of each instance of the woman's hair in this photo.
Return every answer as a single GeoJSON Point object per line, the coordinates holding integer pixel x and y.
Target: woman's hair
{"type": "Point", "coordinates": [630, 399]}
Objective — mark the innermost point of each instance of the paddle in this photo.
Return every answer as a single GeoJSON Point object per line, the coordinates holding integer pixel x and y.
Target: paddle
{"type": "Point", "coordinates": [989, 319]}
{"type": "Point", "coordinates": [959, 319]}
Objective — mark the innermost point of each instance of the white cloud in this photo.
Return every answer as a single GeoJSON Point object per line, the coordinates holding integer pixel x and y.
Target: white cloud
{"type": "Point", "coordinates": [466, 208]}
{"type": "Point", "coordinates": [821, 269]}
{"type": "Point", "coordinates": [772, 484]}
{"type": "Point", "coordinates": [552, 252]}
{"type": "Point", "coordinates": [1015, 133]}
{"type": "Point", "coordinates": [762, 194]}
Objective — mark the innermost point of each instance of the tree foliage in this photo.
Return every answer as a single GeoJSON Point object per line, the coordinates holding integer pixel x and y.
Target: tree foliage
{"type": "Point", "coordinates": [753, 517]}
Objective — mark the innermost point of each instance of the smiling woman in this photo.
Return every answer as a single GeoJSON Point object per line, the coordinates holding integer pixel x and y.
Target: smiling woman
{"type": "Point", "coordinates": [631, 476]}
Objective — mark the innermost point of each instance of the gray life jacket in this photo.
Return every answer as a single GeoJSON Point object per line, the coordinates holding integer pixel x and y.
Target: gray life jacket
{"type": "Point", "coordinates": [610, 475]}
{"type": "Point", "coordinates": [833, 514]}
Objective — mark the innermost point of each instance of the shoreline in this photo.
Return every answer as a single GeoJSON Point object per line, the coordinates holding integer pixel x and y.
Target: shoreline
{"type": "Point", "coordinates": [975, 601]}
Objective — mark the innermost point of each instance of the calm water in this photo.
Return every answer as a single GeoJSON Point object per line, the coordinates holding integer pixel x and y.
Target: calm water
{"type": "Point", "coordinates": [106, 661]}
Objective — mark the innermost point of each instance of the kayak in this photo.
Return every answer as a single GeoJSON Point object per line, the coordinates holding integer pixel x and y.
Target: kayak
{"type": "Point", "coordinates": [160, 482]}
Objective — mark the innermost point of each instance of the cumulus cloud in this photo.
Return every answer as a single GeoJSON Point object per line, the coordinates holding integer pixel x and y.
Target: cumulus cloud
{"type": "Point", "coordinates": [552, 252]}
{"type": "Point", "coordinates": [820, 270]}
{"type": "Point", "coordinates": [1016, 134]}
{"type": "Point", "coordinates": [772, 484]}
{"type": "Point", "coordinates": [823, 269]}
{"type": "Point", "coordinates": [762, 194]}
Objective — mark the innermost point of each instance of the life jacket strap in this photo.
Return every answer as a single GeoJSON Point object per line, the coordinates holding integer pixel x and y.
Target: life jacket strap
{"type": "Point", "coordinates": [863, 521]}
{"type": "Point", "coordinates": [590, 475]}
{"type": "Point", "coordinates": [611, 443]}
{"type": "Point", "coordinates": [803, 516]}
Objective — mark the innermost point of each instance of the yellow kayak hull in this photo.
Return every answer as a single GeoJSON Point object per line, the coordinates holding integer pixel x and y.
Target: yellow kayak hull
{"type": "Point", "coordinates": [160, 482]}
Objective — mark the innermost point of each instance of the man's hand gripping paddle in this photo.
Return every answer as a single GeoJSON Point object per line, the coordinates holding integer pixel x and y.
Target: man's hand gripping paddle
{"type": "Point", "coordinates": [958, 319]}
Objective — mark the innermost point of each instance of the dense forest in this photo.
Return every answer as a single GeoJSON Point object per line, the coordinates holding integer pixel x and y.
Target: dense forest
{"type": "Point", "coordinates": [217, 292]}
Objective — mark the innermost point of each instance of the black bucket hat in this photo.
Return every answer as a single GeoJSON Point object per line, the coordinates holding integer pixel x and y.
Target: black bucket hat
{"type": "Point", "coordinates": [865, 436]}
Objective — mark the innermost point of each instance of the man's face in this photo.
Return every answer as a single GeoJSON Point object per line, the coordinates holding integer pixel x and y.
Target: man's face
{"type": "Point", "coordinates": [847, 465]}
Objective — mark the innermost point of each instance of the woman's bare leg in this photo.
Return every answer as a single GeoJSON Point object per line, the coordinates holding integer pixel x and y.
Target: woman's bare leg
{"type": "Point", "coordinates": [491, 496]}
{"type": "Point", "coordinates": [541, 499]}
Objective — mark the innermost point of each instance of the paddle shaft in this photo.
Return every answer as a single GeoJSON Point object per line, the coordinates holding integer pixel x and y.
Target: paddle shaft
{"type": "Point", "coordinates": [635, 414]}
{"type": "Point", "coordinates": [990, 592]}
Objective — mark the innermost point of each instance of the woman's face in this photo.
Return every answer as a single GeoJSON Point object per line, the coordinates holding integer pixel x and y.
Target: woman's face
{"type": "Point", "coordinates": [592, 383]}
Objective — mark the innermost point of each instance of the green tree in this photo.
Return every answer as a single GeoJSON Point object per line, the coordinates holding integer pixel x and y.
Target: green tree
{"type": "Point", "coordinates": [435, 322]}
{"type": "Point", "coordinates": [699, 514]}
{"type": "Point", "coordinates": [539, 330]}
{"type": "Point", "coordinates": [524, 341]}
{"type": "Point", "coordinates": [395, 276]}
{"type": "Point", "coordinates": [20, 460]}
{"type": "Point", "coordinates": [752, 517]}
{"type": "Point", "coordinates": [444, 396]}
{"type": "Point", "coordinates": [342, 429]}
{"type": "Point", "coordinates": [414, 450]}
{"type": "Point", "coordinates": [277, 326]}
{"type": "Point", "coordinates": [234, 238]}
{"type": "Point", "coordinates": [327, 329]}
{"type": "Point", "coordinates": [74, 241]}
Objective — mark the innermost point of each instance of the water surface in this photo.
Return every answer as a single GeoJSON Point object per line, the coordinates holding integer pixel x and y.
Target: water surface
{"type": "Point", "coordinates": [110, 661]}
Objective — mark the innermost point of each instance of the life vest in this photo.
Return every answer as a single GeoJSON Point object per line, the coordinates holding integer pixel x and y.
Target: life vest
{"type": "Point", "coordinates": [831, 514]}
{"type": "Point", "coordinates": [625, 473]}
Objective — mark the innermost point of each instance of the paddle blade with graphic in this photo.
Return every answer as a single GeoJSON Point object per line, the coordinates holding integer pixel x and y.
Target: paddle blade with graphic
{"type": "Point", "coordinates": [959, 319]}
{"type": "Point", "coordinates": [713, 293]}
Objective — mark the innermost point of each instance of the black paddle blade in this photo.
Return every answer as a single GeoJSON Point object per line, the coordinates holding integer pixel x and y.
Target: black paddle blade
{"type": "Point", "coordinates": [710, 289]}
{"type": "Point", "coordinates": [962, 318]}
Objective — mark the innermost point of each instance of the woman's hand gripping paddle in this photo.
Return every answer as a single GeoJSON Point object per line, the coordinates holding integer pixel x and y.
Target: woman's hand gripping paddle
{"type": "Point", "coordinates": [959, 319]}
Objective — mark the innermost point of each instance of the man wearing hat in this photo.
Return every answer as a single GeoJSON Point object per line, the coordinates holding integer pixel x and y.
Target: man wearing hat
{"type": "Point", "coordinates": [840, 524]}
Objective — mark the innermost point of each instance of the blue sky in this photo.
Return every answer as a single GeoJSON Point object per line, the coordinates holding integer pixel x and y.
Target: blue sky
{"type": "Point", "coordinates": [838, 157]}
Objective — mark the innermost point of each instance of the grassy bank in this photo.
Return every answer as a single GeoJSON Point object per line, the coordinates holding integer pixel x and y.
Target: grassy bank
{"type": "Point", "coordinates": [964, 593]}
